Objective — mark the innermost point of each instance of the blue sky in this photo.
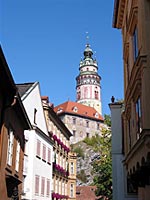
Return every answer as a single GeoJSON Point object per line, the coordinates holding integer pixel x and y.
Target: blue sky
{"type": "Point", "coordinates": [44, 40]}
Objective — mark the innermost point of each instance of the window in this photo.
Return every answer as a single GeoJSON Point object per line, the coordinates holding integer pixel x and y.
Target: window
{"type": "Point", "coordinates": [49, 156]}
{"type": "Point", "coordinates": [17, 156]}
{"type": "Point", "coordinates": [44, 153]}
{"type": "Point", "coordinates": [60, 187]}
{"type": "Point", "coordinates": [138, 116]}
{"type": "Point", "coordinates": [128, 71]}
{"type": "Point", "coordinates": [38, 148]}
{"type": "Point", "coordinates": [87, 124]}
{"type": "Point", "coordinates": [10, 147]}
{"type": "Point", "coordinates": [96, 94]}
{"type": "Point", "coordinates": [129, 132]}
{"type": "Point", "coordinates": [72, 168]}
{"type": "Point", "coordinates": [74, 120]}
{"type": "Point", "coordinates": [56, 185]}
{"type": "Point", "coordinates": [37, 178]}
{"type": "Point", "coordinates": [87, 135]}
{"type": "Point", "coordinates": [78, 95]}
{"type": "Point", "coordinates": [71, 190]}
{"type": "Point", "coordinates": [42, 186]}
{"type": "Point", "coordinates": [74, 132]}
{"type": "Point", "coordinates": [48, 188]}
{"type": "Point", "coordinates": [97, 126]}
{"type": "Point", "coordinates": [135, 43]}
{"type": "Point", "coordinates": [35, 111]}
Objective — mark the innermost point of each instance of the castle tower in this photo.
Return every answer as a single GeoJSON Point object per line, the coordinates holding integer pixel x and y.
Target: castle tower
{"type": "Point", "coordinates": [88, 89]}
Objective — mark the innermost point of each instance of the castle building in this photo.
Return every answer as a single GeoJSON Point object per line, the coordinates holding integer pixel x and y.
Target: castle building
{"type": "Point", "coordinates": [84, 117]}
{"type": "Point", "coordinates": [88, 89]}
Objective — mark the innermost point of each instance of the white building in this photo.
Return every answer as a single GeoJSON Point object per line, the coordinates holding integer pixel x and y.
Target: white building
{"type": "Point", "coordinates": [39, 149]}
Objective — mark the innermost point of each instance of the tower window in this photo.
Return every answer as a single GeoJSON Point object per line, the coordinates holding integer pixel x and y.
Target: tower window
{"type": "Point", "coordinates": [87, 135]}
{"type": "Point", "coordinates": [96, 94]}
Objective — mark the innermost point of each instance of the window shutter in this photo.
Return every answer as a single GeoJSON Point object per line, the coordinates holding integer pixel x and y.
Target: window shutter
{"type": "Point", "coordinates": [42, 186]}
{"type": "Point", "coordinates": [44, 152]}
{"type": "Point", "coordinates": [36, 184]}
{"type": "Point", "coordinates": [49, 156]}
{"type": "Point", "coordinates": [48, 187]}
{"type": "Point", "coordinates": [38, 148]}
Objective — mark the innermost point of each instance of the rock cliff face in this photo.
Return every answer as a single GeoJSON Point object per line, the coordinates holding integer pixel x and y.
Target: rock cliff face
{"type": "Point", "coordinates": [86, 156]}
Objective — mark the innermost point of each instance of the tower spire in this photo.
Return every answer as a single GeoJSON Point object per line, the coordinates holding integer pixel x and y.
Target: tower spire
{"type": "Point", "coordinates": [87, 37]}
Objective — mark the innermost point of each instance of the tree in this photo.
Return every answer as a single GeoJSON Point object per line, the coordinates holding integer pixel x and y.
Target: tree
{"type": "Point", "coordinates": [103, 166]}
{"type": "Point", "coordinates": [107, 120]}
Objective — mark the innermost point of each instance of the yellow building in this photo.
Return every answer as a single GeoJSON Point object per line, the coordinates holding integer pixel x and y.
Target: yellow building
{"type": "Point", "coordinates": [133, 18]}
{"type": "Point", "coordinates": [72, 176]}
{"type": "Point", "coordinates": [64, 162]}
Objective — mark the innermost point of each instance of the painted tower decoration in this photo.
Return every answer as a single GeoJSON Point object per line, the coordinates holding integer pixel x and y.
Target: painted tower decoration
{"type": "Point", "coordinates": [88, 89]}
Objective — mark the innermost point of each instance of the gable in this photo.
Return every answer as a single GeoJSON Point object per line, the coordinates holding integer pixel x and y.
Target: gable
{"type": "Point", "coordinates": [33, 105]}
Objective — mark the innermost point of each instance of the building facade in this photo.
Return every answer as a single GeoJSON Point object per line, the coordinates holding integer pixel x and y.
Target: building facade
{"type": "Point", "coordinates": [88, 88]}
{"type": "Point", "coordinates": [72, 176]}
{"type": "Point", "coordinates": [133, 18]}
{"type": "Point", "coordinates": [64, 180]}
{"type": "Point", "coordinates": [13, 122]}
{"type": "Point", "coordinates": [39, 147]}
{"type": "Point", "coordinates": [82, 121]}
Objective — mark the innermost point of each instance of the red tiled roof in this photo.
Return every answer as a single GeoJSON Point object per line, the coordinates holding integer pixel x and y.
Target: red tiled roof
{"type": "Point", "coordinates": [78, 109]}
{"type": "Point", "coordinates": [86, 193]}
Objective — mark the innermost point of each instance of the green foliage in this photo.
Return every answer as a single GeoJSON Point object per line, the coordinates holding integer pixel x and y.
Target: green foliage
{"type": "Point", "coordinates": [107, 120]}
{"type": "Point", "coordinates": [103, 166]}
{"type": "Point", "coordinates": [94, 141]}
{"type": "Point", "coordinates": [120, 100]}
{"type": "Point", "coordinates": [82, 176]}
{"type": "Point", "coordinates": [79, 151]}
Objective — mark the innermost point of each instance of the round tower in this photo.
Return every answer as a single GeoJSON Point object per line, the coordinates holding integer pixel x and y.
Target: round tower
{"type": "Point", "coordinates": [88, 89]}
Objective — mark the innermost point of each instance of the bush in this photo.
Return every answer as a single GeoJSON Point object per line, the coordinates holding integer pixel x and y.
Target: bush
{"type": "Point", "coordinates": [82, 176]}
{"type": "Point", "coordinates": [79, 152]}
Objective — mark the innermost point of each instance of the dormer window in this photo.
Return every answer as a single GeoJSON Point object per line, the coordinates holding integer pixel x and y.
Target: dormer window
{"type": "Point", "coordinates": [75, 109]}
{"type": "Point", "coordinates": [96, 115]}
{"type": "Point", "coordinates": [59, 110]}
